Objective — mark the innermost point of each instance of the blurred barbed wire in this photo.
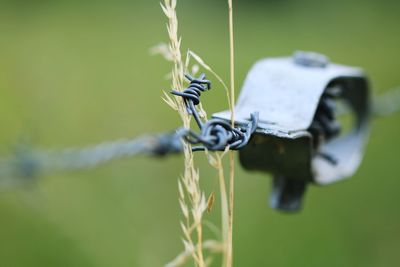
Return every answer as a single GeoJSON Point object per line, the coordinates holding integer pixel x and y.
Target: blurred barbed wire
{"type": "Point", "coordinates": [387, 103]}
{"type": "Point", "coordinates": [28, 163]}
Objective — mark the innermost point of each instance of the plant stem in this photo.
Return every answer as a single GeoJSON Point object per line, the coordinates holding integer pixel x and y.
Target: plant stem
{"type": "Point", "coordinates": [231, 155]}
{"type": "Point", "coordinates": [191, 176]}
{"type": "Point", "coordinates": [224, 210]}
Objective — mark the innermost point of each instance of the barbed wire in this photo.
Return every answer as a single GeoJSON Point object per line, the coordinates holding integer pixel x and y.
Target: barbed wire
{"type": "Point", "coordinates": [26, 163]}
{"type": "Point", "coordinates": [216, 134]}
{"type": "Point", "coordinates": [387, 103]}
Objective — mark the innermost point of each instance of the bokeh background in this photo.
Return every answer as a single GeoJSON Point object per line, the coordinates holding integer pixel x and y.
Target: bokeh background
{"type": "Point", "coordinates": [79, 72]}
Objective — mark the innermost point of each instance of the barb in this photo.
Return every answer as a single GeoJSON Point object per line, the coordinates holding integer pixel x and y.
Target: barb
{"type": "Point", "coordinates": [216, 134]}
{"type": "Point", "coordinates": [26, 163]}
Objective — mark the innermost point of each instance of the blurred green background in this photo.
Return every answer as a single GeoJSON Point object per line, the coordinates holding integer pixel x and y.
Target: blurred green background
{"type": "Point", "coordinates": [79, 72]}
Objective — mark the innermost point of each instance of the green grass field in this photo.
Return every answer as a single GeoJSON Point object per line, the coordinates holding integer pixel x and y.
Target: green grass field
{"type": "Point", "coordinates": [80, 73]}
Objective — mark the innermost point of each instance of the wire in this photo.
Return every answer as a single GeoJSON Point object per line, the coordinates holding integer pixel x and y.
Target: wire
{"type": "Point", "coordinates": [216, 134]}
{"type": "Point", "coordinates": [27, 163]}
{"type": "Point", "coordinates": [387, 103]}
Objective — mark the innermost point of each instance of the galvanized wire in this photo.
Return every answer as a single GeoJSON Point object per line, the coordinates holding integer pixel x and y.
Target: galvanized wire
{"type": "Point", "coordinates": [382, 105]}
{"type": "Point", "coordinates": [387, 103]}
{"type": "Point", "coordinates": [27, 163]}
{"type": "Point", "coordinates": [215, 134]}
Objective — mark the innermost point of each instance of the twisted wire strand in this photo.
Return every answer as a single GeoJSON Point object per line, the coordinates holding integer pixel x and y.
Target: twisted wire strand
{"type": "Point", "coordinates": [28, 163]}
{"type": "Point", "coordinates": [215, 134]}
{"type": "Point", "coordinates": [387, 103]}
{"type": "Point", "coordinates": [383, 105]}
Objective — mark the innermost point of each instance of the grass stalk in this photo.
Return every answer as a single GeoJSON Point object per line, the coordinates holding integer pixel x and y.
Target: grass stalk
{"type": "Point", "coordinates": [191, 197]}
{"type": "Point", "coordinates": [229, 262]}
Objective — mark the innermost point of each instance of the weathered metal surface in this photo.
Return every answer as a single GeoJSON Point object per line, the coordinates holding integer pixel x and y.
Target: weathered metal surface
{"type": "Point", "coordinates": [286, 93]}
